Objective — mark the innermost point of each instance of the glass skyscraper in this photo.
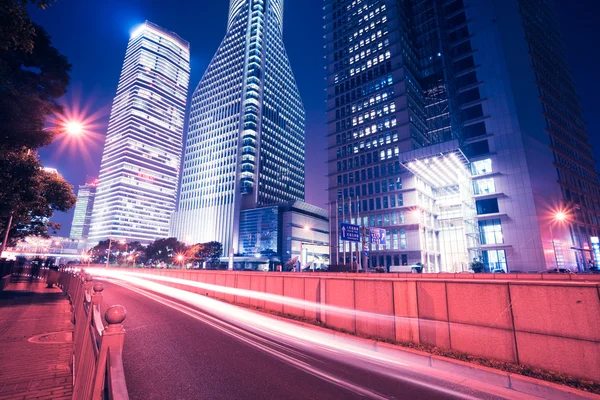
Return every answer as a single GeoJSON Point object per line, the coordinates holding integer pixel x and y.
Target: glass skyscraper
{"type": "Point", "coordinates": [82, 217]}
{"type": "Point", "coordinates": [245, 142]}
{"type": "Point", "coordinates": [454, 126]}
{"type": "Point", "coordinates": [138, 179]}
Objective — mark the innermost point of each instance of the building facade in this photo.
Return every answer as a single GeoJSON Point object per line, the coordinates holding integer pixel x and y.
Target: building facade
{"type": "Point", "coordinates": [271, 236]}
{"type": "Point", "coordinates": [80, 227]}
{"type": "Point", "coordinates": [139, 174]}
{"type": "Point", "coordinates": [245, 142]}
{"type": "Point", "coordinates": [448, 128]}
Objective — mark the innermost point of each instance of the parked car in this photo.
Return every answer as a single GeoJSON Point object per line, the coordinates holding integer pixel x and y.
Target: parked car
{"type": "Point", "coordinates": [415, 268]}
{"type": "Point", "coordinates": [558, 271]}
{"type": "Point", "coordinates": [498, 271]}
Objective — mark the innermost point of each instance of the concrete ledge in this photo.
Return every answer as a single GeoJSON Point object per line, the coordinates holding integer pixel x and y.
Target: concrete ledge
{"type": "Point", "coordinates": [547, 390]}
{"type": "Point", "coordinates": [478, 372]}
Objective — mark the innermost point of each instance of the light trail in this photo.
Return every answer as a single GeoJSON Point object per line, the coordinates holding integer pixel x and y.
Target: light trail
{"type": "Point", "coordinates": [354, 352]}
{"type": "Point", "coordinates": [275, 298]}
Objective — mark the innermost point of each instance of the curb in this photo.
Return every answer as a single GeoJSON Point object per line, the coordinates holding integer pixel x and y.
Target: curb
{"type": "Point", "coordinates": [518, 383]}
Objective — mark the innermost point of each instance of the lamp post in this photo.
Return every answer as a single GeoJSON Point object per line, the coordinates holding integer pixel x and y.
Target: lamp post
{"type": "Point", "coordinates": [86, 258]}
{"type": "Point", "coordinates": [108, 256]}
{"type": "Point", "coordinates": [57, 243]}
{"type": "Point", "coordinates": [180, 258]}
{"type": "Point", "coordinates": [308, 228]}
{"type": "Point", "coordinates": [559, 217]}
{"type": "Point", "coordinates": [123, 241]}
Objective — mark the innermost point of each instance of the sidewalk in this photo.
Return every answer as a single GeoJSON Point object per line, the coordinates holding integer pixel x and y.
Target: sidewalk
{"type": "Point", "coordinates": [35, 342]}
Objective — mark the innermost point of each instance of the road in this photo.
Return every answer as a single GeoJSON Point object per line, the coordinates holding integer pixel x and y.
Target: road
{"type": "Point", "coordinates": [174, 351]}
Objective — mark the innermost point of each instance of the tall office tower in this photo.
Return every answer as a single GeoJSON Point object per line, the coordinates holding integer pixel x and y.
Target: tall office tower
{"type": "Point", "coordinates": [137, 187]}
{"type": "Point", "coordinates": [80, 227]}
{"type": "Point", "coordinates": [245, 142]}
{"type": "Point", "coordinates": [454, 126]}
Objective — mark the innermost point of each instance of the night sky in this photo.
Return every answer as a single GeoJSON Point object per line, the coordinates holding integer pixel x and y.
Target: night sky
{"type": "Point", "coordinates": [94, 34]}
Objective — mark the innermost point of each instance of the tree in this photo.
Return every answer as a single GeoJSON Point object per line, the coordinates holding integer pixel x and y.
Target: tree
{"type": "Point", "coordinates": [17, 31]}
{"type": "Point", "coordinates": [100, 251]}
{"type": "Point", "coordinates": [164, 249]}
{"type": "Point", "coordinates": [213, 251]}
{"type": "Point", "coordinates": [477, 266]}
{"type": "Point", "coordinates": [30, 85]}
{"type": "Point", "coordinates": [205, 252]}
{"type": "Point", "coordinates": [195, 253]}
{"type": "Point", "coordinates": [31, 196]}
{"type": "Point", "coordinates": [33, 76]}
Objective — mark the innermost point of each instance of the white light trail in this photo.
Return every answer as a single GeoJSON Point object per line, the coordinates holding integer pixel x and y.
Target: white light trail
{"type": "Point", "coordinates": [355, 352]}
{"type": "Point", "coordinates": [330, 310]}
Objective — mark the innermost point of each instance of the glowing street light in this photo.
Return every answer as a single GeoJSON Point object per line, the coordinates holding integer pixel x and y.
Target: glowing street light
{"type": "Point", "coordinates": [559, 216]}
{"type": "Point", "coordinates": [180, 259]}
{"type": "Point", "coordinates": [73, 128]}
{"type": "Point", "coordinates": [58, 243]}
{"type": "Point", "coordinates": [124, 242]}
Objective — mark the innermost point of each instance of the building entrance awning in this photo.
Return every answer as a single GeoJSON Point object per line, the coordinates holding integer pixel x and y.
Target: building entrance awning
{"type": "Point", "coordinates": [442, 167]}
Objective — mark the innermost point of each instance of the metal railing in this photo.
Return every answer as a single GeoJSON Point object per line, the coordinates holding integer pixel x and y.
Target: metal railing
{"type": "Point", "coordinates": [97, 349]}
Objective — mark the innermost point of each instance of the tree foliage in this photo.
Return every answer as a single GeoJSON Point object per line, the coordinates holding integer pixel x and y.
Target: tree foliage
{"type": "Point", "coordinates": [17, 31]}
{"type": "Point", "coordinates": [31, 195]}
{"type": "Point", "coordinates": [164, 249]}
{"type": "Point", "coordinates": [119, 252]}
{"type": "Point", "coordinates": [33, 76]}
{"type": "Point", "coordinates": [30, 84]}
{"type": "Point", "coordinates": [201, 252]}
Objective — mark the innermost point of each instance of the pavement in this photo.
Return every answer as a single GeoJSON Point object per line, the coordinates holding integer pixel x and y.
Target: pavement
{"type": "Point", "coordinates": [35, 342]}
{"type": "Point", "coordinates": [174, 351]}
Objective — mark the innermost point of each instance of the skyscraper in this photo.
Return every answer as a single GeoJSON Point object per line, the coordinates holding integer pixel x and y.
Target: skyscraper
{"type": "Point", "coordinates": [454, 125]}
{"type": "Point", "coordinates": [245, 142]}
{"type": "Point", "coordinates": [139, 174]}
{"type": "Point", "coordinates": [80, 228]}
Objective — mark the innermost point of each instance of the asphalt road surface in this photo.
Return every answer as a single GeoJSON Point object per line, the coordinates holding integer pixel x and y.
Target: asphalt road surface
{"type": "Point", "coordinates": [178, 352]}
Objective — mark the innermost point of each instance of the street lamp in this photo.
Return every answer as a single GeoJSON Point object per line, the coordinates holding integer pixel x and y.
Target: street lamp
{"type": "Point", "coordinates": [308, 228]}
{"type": "Point", "coordinates": [73, 128]}
{"type": "Point", "coordinates": [123, 241]}
{"type": "Point", "coordinates": [87, 258]}
{"type": "Point", "coordinates": [180, 259]}
{"type": "Point", "coordinates": [559, 216]}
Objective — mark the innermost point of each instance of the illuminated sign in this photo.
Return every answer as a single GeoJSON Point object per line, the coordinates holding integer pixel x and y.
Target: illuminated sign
{"type": "Point", "coordinates": [377, 236]}
{"type": "Point", "coordinates": [350, 232]}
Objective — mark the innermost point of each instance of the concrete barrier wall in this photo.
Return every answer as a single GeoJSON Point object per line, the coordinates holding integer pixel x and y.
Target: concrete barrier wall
{"type": "Point", "coordinates": [553, 325]}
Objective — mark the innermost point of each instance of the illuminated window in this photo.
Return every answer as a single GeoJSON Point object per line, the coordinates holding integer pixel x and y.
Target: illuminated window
{"type": "Point", "coordinates": [481, 167]}
{"type": "Point", "coordinates": [484, 186]}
